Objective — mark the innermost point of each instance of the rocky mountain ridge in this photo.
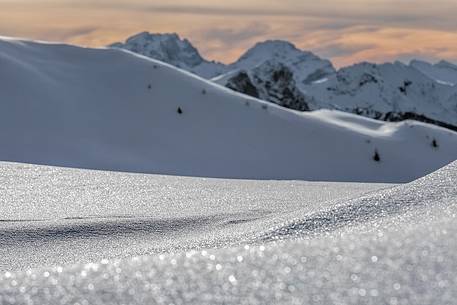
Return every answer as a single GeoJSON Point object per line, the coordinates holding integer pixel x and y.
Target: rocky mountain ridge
{"type": "Point", "coordinates": [279, 72]}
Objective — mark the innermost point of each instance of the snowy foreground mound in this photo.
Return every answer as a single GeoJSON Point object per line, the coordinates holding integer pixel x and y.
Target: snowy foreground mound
{"type": "Point", "coordinates": [358, 243]}
{"type": "Point", "coordinates": [113, 110]}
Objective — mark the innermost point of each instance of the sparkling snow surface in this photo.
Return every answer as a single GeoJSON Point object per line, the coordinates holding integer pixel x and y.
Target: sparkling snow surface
{"type": "Point", "coordinates": [395, 245]}
{"type": "Point", "coordinates": [69, 215]}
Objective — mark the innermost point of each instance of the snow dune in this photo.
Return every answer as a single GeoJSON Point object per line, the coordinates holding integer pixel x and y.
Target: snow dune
{"type": "Point", "coordinates": [112, 110]}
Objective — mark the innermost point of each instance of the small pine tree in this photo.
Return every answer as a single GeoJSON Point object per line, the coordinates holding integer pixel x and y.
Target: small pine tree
{"type": "Point", "coordinates": [376, 156]}
{"type": "Point", "coordinates": [149, 86]}
{"type": "Point", "coordinates": [179, 110]}
{"type": "Point", "coordinates": [204, 91]}
{"type": "Point", "coordinates": [435, 143]}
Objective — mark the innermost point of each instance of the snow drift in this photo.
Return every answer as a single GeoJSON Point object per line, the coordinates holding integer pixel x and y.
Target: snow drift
{"type": "Point", "coordinates": [110, 109]}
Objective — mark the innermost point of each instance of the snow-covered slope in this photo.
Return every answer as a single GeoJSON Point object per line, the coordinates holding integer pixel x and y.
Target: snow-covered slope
{"type": "Point", "coordinates": [111, 109]}
{"type": "Point", "coordinates": [170, 48]}
{"type": "Point", "coordinates": [443, 72]}
{"type": "Point", "coordinates": [396, 245]}
{"type": "Point", "coordinates": [97, 215]}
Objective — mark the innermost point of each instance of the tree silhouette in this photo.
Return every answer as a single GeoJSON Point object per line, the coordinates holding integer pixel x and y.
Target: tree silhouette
{"type": "Point", "coordinates": [376, 156]}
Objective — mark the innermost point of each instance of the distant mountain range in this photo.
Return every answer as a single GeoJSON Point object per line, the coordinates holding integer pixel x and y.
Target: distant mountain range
{"type": "Point", "coordinates": [278, 72]}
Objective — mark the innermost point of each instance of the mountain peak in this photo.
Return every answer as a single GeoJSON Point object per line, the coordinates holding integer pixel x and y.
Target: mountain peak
{"type": "Point", "coordinates": [442, 64]}
{"type": "Point", "coordinates": [168, 47]}
{"type": "Point", "coordinates": [174, 50]}
{"type": "Point", "coordinates": [155, 37]}
{"type": "Point", "coordinates": [275, 44]}
{"type": "Point", "coordinates": [303, 64]}
{"type": "Point", "coordinates": [446, 64]}
{"type": "Point", "coordinates": [269, 49]}
{"type": "Point", "coordinates": [443, 71]}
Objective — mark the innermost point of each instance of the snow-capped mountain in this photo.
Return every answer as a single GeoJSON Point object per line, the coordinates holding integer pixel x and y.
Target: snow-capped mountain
{"type": "Point", "coordinates": [274, 71]}
{"type": "Point", "coordinates": [305, 66]}
{"type": "Point", "coordinates": [278, 72]}
{"type": "Point", "coordinates": [70, 106]}
{"type": "Point", "coordinates": [443, 72]}
{"type": "Point", "coordinates": [171, 49]}
{"type": "Point", "coordinates": [390, 92]}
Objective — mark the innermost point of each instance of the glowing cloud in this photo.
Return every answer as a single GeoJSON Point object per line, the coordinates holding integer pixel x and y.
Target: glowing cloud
{"type": "Point", "coordinates": [342, 30]}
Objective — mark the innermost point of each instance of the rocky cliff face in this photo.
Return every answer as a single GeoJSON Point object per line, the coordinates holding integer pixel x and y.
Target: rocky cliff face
{"type": "Point", "coordinates": [271, 81]}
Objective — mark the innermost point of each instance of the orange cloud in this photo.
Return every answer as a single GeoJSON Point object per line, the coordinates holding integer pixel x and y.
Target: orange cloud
{"type": "Point", "coordinates": [384, 30]}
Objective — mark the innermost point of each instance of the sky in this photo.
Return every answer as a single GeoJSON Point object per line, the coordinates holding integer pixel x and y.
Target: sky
{"type": "Point", "coordinates": [345, 31]}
